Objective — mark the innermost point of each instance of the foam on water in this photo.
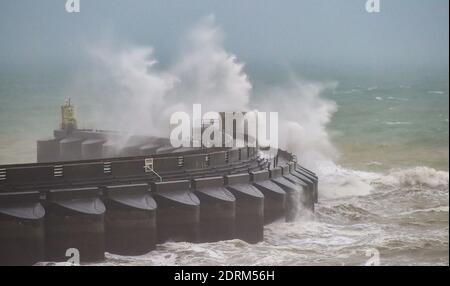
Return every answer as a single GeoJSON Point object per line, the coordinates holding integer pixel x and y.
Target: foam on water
{"type": "Point", "coordinates": [398, 123]}
{"type": "Point", "coordinates": [363, 211]}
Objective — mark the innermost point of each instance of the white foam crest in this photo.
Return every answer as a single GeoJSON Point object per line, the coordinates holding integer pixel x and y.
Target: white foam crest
{"type": "Point", "coordinates": [398, 123]}
{"type": "Point", "coordinates": [415, 177]}
{"type": "Point", "coordinates": [436, 92]}
{"type": "Point", "coordinates": [338, 182]}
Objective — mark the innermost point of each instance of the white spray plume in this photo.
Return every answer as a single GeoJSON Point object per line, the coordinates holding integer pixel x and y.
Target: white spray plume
{"type": "Point", "coordinates": [139, 98]}
{"type": "Point", "coordinates": [208, 74]}
{"type": "Point", "coordinates": [134, 91]}
{"type": "Point", "coordinates": [304, 116]}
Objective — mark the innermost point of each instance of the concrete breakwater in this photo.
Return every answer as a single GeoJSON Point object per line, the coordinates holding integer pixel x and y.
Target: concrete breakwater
{"type": "Point", "coordinates": [117, 205]}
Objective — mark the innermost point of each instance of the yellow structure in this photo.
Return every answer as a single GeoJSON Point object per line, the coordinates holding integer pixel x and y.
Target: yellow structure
{"type": "Point", "coordinates": [68, 120]}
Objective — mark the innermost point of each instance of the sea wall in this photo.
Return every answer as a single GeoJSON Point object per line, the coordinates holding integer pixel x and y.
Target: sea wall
{"type": "Point", "coordinates": [117, 205]}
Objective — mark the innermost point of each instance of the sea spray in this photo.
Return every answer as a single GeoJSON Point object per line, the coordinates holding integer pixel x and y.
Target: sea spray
{"type": "Point", "coordinates": [139, 96]}
{"type": "Point", "coordinates": [208, 74]}
{"type": "Point", "coordinates": [144, 96]}
{"type": "Point", "coordinates": [304, 117]}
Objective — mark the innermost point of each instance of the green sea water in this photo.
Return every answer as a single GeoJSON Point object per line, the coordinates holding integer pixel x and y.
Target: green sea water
{"type": "Point", "coordinates": [392, 124]}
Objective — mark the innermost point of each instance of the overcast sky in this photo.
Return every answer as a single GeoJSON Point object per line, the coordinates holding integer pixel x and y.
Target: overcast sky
{"type": "Point", "coordinates": [325, 32]}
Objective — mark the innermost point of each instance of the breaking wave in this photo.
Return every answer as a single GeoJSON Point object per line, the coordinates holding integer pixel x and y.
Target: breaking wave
{"type": "Point", "coordinates": [132, 93]}
{"type": "Point", "coordinates": [415, 177]}
{"type": "Point", "coordinates": [141, 95]}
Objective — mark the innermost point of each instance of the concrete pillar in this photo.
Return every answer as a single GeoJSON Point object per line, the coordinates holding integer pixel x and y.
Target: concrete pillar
{"type": "Point", "coordinates": [217, 209]}
{"type": "Point", "coordinates": [297, 169]}
{"type": "Point", "coordinates": [21, 228]}
{"type": "Point", "coordinates": [74, 219]}
{"type": "Point", "coordinates": [178, 215]}
{"type": "Point", "coordinates": [130, 219]}
{"type": "Point", "coordinates": [307, 193]}
{"type": "Point", "coordinates": [312, 186]}
{"type": "Point", "coordinates": [249, 208]}
{"type": "Point", "coordinates": [292, 192]}
{"type": "Point", "coordinates": [274, 196]}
